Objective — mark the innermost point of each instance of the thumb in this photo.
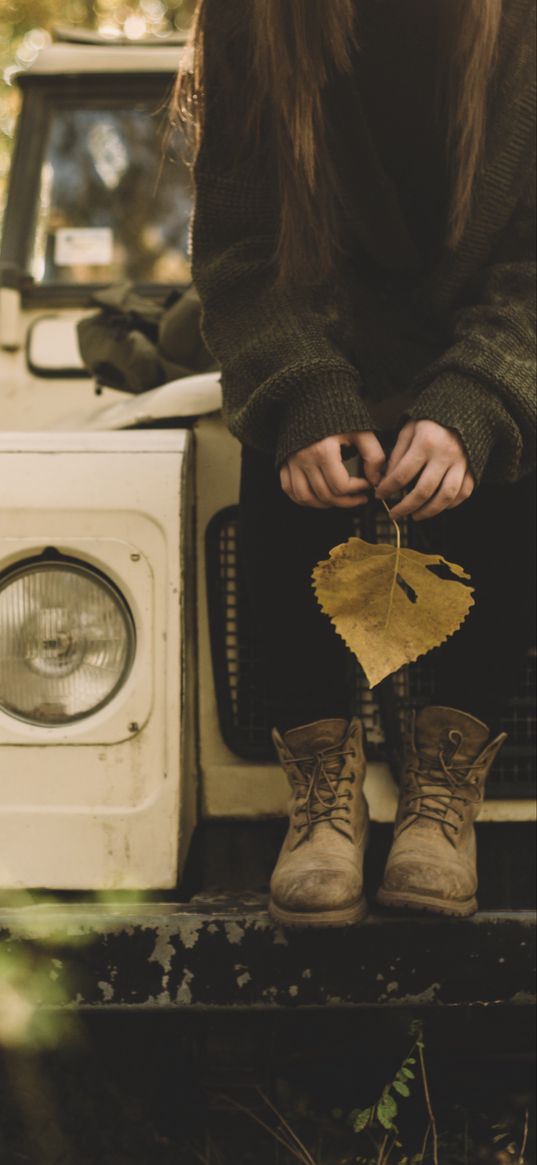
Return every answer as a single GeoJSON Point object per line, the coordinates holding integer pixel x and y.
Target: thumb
{"type": "Point", "coordinates": [372, 454]}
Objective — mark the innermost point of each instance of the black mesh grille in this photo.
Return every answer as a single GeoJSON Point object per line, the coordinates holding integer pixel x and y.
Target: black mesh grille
{"type": "Point", "coordinates": [236, 651]}
{"type": "Point", "coordinates": [238, 670]}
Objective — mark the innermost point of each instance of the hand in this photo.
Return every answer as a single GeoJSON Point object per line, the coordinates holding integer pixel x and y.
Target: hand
{"type": "Point", "coordinates": [316, 476]}
{"type": "Point", "coordinates": [436, 457]}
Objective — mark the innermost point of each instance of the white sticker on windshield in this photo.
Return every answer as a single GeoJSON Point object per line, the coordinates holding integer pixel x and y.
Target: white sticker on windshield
{"type": "Point", "coordinates": [90, 245]}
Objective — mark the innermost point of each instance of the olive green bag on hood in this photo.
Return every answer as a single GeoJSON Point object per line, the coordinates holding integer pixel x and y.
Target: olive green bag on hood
{"type": "Point", "coordinates": [135, 343]}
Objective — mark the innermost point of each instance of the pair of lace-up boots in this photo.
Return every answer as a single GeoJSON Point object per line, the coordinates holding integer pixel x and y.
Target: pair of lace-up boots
{"type": "Point", "coordinates": [318, 879]}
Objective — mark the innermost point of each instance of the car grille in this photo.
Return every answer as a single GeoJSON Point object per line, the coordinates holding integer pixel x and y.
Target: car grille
{"type": "Point", "coordinates": [238, 673]}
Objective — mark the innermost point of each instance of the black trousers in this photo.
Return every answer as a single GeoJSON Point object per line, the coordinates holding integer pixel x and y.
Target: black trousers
{"type": "Point", "coordinates": [307, 664]}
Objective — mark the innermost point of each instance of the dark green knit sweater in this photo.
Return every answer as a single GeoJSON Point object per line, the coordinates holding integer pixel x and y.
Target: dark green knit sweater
{"type": "Point", "coordinates": [449, 336]}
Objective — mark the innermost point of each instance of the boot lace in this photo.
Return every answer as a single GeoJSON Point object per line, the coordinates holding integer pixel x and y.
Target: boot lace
{"type": "Point", "coordinates": [441, 791]}
{"type": "Point", "coordinates": [321, 795]}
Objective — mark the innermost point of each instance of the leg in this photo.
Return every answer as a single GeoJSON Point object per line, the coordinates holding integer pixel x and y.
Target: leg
{"type": "Point", "coordinates": [448, 754]}
{"type": "Point", "coordinates": [318, 878]}
{"type": "Point", "coordinates": [492, 535]}
{"type": "Point", "coordinates": [307, 664]}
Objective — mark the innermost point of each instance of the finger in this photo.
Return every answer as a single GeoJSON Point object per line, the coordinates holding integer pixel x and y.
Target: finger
{"type": "Point", "coordinates": [342, 500]}
{"type": "Point", "coordinates": [285, 480]}
{"type": "Point", "coordinates": [337, 477]}
{"type": "Point", "coordinates": [448, 490]}
{"type": "Point", "coordinates": [318, 485]}
{"type": "Point", "coordinates": [402, 445]}
{"type": "Point", "coordinates": [320, 489]}
{"type": "Point", "coordinates": [414, 460]}
{"type": "Point", "coordinates": [302, 492]}
{"type": "Point", "coordinates": [351, 501]}
{"type": "Point", "coordinates": [325, 455]}
{"type": "Point", "coordinates": [424, 490]}
{"type": "Point", "coordinates": [465, 492]}
{"type": "Point", "coordinates": [372, 454]}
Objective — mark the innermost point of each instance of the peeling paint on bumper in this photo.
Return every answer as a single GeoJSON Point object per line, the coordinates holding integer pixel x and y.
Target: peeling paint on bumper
{"type": "Point", "coordinates": [225, 953]}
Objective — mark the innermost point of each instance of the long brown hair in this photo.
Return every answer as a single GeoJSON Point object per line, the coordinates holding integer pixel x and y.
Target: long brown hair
{"type": "Point", "coordinates": [293, 49]}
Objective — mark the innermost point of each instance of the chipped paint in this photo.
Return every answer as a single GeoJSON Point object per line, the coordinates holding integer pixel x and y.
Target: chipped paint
{"type": "Point", "coordinates": [184, 993]}
{"type": "Point", "coordinates": [190, 930]}
{"type": "Point", "coordinates": [523, 998]}
{"type": "Point", "coordinates": [428, 996]}
{"type": "Point", "coordinates": [161, 1000]}
{"type": "Point", "coordinates": [163, 951]}
{"type": "Point", "coordinates": [234, 932]}
{"type": "Point", "coordinates": [229, 954]}
{"type": "Point", "coordinates": [107, 990]}
{"type": "Point", "coordinates": [263, 922]}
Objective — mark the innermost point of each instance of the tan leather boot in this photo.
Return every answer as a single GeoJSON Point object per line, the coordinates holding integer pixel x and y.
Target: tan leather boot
{"type": "Point", "coordinates": [318, 879]}
{"type": "Point", "coordinates": [432, 862]}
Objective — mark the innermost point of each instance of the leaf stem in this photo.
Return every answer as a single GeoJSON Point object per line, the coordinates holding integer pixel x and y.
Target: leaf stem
{"type": "Point", "coordinates": [286, 1126]}
{"type": "Point", "coordinates": [298, 1150]}
{"type": "Point", "coordinates": [428, 1102]}
{"type": "Point", "coordinates": [273, 1132]}
{"type": "Point", "coordinates": [397, 560]}
{"type": "Point", "coordinates": [381, 1159]}
{"type": "Point", "coordinates": [426, 1141]}
{"type": "Point", "coordinates": [522, 1158]}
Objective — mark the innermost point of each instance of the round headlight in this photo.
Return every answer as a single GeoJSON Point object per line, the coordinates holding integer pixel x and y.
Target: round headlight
{"type": "Point", "coordinates": [67, 642]}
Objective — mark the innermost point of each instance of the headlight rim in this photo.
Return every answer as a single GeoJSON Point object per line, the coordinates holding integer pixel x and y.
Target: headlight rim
{"type": "Point", "coordinates": [52, 559]}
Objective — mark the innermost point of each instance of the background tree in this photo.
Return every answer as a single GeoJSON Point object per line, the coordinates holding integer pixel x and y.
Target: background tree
{"type": "Point", "coordinates": [27, 25]}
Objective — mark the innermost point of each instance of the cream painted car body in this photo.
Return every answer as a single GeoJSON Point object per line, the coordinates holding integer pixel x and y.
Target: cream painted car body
{"type": "Point", "coordinates": [111, 801]}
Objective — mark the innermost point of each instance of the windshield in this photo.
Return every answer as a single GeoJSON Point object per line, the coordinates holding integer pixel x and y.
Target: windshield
{"type": "Point", "coordinates": [114, 198]}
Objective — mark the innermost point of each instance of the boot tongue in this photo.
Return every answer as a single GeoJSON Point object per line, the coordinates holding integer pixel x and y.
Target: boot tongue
{"type": "Point", "coordinates": [457, 734]}
{"type": "Point", "coordinates": [311, 738]}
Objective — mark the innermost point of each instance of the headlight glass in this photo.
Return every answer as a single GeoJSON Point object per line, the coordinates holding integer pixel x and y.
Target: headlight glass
{"type": "Point", "coordinates": [67, 642]}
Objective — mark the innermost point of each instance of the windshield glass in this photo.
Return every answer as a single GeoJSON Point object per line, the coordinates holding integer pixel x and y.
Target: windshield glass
{"type": "Point", "coordinates": [114, 200]}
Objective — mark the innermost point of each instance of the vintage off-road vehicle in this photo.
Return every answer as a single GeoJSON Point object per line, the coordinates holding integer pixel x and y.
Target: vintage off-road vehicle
{"type": "Point", "coordinates": [131, 708]}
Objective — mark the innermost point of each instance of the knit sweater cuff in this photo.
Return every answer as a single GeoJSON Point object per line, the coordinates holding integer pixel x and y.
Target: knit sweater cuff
{"type": "Point", "coordinates": [327, 405]}
{"type": "Point", "coordinates": [458, 402]}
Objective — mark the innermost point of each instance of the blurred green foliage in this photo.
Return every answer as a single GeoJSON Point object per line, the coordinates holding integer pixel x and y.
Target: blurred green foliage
{"type": "Point", "coordinates": [27, 25]}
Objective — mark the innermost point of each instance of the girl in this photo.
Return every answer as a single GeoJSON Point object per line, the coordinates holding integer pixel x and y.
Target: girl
{"type": "Point", "coordinates": [362, 246]}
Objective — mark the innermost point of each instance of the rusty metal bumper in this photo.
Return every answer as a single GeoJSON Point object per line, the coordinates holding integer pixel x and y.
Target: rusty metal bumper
{"type": "Point", "coordinates": [220, 952]}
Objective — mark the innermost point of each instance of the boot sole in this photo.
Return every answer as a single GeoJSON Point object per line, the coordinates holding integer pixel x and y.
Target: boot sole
{"type": "Point", "coordinates": [423, 902]}
{"type": "Point", "coordinates": [345, 916]}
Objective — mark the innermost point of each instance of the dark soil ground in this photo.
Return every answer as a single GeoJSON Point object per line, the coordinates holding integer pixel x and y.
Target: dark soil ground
{"type": "Point", "coordinates": [172, 1089]}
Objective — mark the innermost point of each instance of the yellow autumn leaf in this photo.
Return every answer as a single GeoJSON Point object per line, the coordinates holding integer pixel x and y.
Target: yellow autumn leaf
{"type": "Point", "coordinates": [387, 604]}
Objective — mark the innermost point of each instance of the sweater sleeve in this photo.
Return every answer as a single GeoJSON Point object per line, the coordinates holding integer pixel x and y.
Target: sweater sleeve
{"type": "Point", "coordinates": [483, 385]}
{"type": "Point", "coordinates": [287, 375]}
